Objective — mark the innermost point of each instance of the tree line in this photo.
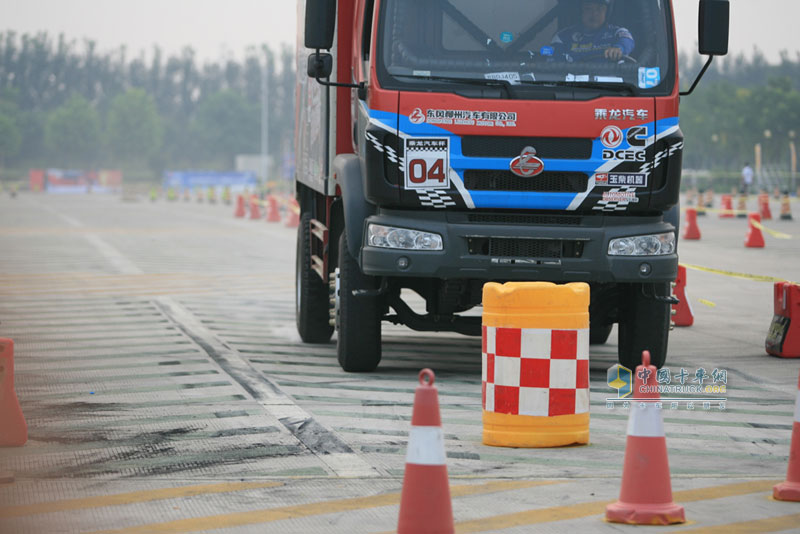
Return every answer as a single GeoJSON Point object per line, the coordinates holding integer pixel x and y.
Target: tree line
{"type": "Point", "coordinates": [741, 102]}
{"type": "Point", "coordinates": [63, 103]}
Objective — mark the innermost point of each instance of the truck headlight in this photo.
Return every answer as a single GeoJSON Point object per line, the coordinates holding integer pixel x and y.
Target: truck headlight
{"type": "Point", "coordinates": [643, 245]}
{"type": "Point", "coordinates": [402, 238]}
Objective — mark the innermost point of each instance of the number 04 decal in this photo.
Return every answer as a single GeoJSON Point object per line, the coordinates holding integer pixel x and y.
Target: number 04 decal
{"type": "Point", "coordinates": [427, 163]}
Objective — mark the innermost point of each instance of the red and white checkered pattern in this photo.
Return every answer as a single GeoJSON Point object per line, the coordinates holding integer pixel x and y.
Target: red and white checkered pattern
{"type": "Point", "coordinates": [535, 372]}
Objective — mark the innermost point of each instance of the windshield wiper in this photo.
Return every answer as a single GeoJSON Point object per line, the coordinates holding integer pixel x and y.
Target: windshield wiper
{"type": "Point", "coordinates": [505, 84]}
{"type": "Point", "coordinates": [609, 86]}
{"type": "Point", "coordinates": [613, 87]}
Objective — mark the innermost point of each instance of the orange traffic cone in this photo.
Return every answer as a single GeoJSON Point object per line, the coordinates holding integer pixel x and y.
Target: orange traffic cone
{"type": "Point", "coordinates": [293, 219]}
{"type": "Point", "coordinates": [682, 314]}
{"type": "Point", "coordinates": [241, 210]}
{"type": "Point", "coordinates": [727, 207]}
{"type": "Point", "coordinates": [692, 231]}
{"type": "Point", "coordinates": [273, 210]}
{"type": "Point", "coordinates": [425, 505]}
{"type": "Point", "coordinates": [763, 204]}
{"type": "Point", "coordinates": [754, 239]}
{"type": "Point", "coordinates": [786, 207]}
{"type": "Point", "coordinates": [646, 494]}
{"type": "Point", "coordinates": [255, 211]}
{"type": "Point", "coordinates": [15, 429]}
{"type": "Point", "coordinates": [790, 490]}
{"type": "Point", "coordinates": [741, 208]}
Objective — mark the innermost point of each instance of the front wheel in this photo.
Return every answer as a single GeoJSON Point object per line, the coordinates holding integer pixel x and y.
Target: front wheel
{"type": "Point", "coordinates": [644, 323]}
{"type": "Point", "coordinates": [358, 318]}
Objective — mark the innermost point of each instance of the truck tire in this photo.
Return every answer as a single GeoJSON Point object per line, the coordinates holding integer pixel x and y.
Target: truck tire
{"type": "Point", "coordinates": [644, 324]}
{"type": "Point", "coordinates": [358, 319]}
{"type": "Point", "coordinates": [311, 293]}
{"type": "Point", "coordinates": [598, 335]}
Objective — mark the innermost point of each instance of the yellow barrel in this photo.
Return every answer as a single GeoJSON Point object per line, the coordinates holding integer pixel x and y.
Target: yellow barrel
{"type": "Point", "coordinates": [535, 364]}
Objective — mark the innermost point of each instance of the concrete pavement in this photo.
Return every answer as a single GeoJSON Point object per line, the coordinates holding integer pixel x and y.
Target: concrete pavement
{"type": "Point", "coordinates": [166, 390]}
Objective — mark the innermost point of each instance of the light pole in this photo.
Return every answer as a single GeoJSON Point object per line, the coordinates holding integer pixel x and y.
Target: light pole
{"type": "Point", "coordinates": [762, 181]}
{"type": "Point", "coordinates": [715, 144]}
{"type": "Point", "coordinates": [265, 117]}
{"type": "Point", "coordinates": [793, 152]}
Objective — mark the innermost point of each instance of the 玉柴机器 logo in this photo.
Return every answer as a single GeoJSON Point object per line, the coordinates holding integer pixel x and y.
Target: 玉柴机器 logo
{"type": "Point", "coordinates": [621, 379]}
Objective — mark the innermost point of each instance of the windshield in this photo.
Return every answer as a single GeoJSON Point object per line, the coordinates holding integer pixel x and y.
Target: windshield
{"type": "Point", "coordinates": [615, 45]}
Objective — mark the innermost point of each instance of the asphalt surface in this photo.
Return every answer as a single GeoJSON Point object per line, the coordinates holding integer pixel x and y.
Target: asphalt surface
{"type": "Point", "coordinates": [166, 390]}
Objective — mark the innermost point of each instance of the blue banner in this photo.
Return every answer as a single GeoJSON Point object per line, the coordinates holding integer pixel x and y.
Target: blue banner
{"type": "Point", "coordinates": [236, 181]}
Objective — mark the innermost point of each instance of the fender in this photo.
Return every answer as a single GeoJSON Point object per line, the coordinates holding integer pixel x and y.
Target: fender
{"type": "Point", "coordinates": [347, 170]}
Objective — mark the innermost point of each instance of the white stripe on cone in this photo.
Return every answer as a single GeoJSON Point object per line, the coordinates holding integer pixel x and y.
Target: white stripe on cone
{"type": "Point", "coordinates": [425, 446]}
{"type": "Point", "coordinates": [797, 409]}
{"type": "Point", "coordinates": [645, 422]}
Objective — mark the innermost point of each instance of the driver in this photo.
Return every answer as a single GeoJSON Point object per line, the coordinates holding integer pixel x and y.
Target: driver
{"type": "Point", "coordinates": [594, 38]}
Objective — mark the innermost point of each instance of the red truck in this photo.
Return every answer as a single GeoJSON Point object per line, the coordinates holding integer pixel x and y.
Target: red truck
{"type": "Point", "coordinates": [467, 141]}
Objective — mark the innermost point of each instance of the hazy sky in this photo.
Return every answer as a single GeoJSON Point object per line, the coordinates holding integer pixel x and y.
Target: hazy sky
{"type": "Point", "coordinates": [216, 27]}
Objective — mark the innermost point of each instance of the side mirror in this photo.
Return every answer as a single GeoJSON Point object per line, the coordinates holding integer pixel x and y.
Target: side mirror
{"type": "Point", "coordinates": [714, 28]}
{"type": "Point", "coordinates": [320, 65]}
{"type": "Point", "coordinates": [320, 24]}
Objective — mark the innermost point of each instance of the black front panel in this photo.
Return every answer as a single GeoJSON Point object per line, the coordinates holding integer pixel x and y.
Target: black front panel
{"type": "Point", "coordinates": [480, 146]}
{"type": "Point", "coordinates": [547, 182]}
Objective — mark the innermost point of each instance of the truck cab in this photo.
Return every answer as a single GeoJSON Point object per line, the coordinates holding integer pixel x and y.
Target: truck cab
{"type": "Point", "coordinates": [466, 141]}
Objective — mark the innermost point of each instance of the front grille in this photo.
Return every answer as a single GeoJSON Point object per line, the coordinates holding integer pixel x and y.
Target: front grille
{"type": "Point", "coordinates": [547, 182]}
{"type": "Point", "coordinates": [510, 218]}
{"type": "Point", "coordinates": [484, 146]}
{"type": "Point", "coordinates": [524, 248]}
{"type": "Point", "coordinates": [509, 247]}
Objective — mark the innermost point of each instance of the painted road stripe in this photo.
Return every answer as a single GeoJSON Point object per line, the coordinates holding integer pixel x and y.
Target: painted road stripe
{"type": "Point", "coordinates": [256, 517]}
{"type": "Point", "coordinates": [124, 391]}
{"type": "Point", "coordinates": [62, 426]}
{"type": "Point", "coordinates": [771, 524]}
{"type": "Point", "coordinates": [599, 399]}
{"type": "Point", "coordinates": [136, 441]}
{"type": "Point", "coordinates": [189, 351]}
{"type": "Point", "coordinates": [180, 364]}
{"type": "Point", "coordinates": [576, 511]}
{"type": "Point", "coordinates": [476, 422]}
{"type": "Point", "coordinates": [130, 498]}
{"type": "Point", "coordinates": [133, 376]}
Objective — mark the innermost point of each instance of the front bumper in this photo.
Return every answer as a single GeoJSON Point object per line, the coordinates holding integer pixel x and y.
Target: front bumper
{"type": "Point", "coordinates": [456, 261]}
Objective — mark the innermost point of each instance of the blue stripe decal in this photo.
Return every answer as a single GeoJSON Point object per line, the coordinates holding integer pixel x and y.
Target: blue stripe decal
{"type": "Point", "coordinates": [521, 200]}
